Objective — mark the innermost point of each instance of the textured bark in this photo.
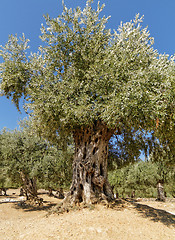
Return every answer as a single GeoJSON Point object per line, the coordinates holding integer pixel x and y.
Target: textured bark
{"type": "Point", "coordinates": [90, 183]}
{"type": "Point", "coordinates": [21, 192]}
{"type": "Point", "coordinates": [29, 186]}
{"type": "Point", "coordinates": [160, 192]}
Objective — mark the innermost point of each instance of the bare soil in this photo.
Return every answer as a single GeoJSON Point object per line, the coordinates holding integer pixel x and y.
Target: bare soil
{"type": "Point", "coordinates": [143, 220]}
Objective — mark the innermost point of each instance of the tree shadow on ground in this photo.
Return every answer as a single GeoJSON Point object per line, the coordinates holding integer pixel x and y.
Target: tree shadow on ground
{"type": "Point", "coordinates": [154, 214]}
{"type": "Point", "coordinates": [30, 208]}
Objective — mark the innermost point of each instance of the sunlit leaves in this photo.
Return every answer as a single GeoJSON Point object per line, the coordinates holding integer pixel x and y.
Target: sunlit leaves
{"type": "Point", "coordinates": [84, 72]}
{"type": "Point", "coordinates": [14, 71]}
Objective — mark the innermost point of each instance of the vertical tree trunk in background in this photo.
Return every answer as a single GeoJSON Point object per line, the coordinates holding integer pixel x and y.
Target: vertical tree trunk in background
{"type": "Point", "coordinates": [29, 186]}
{"type": "Point", "coordinates": [3, 191]}
{"type": "Point", "coordinates": [50, 192]}
{"type": "Point", "coordinates": [160, 192]}
{"type": "Point", "coordinates": [21, 192]}
{"type": "Point", "coordinates": [60, 194]}
{"type": "Point", "coordinates": [90, 183]}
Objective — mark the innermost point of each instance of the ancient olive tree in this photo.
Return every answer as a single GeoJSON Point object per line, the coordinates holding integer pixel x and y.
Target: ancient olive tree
{"type": "Point", "coordinates": [89, 82]}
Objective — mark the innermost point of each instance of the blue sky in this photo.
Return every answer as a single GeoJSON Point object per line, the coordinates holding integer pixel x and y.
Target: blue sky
{"type": "Point", "coordinates": [20, 16]}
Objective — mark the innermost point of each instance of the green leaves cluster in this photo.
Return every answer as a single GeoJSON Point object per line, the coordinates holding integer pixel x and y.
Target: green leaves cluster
{"type": "Point", "coordinates": [23, 151]}
{"type": "Point", "coordinates": [15, 69]}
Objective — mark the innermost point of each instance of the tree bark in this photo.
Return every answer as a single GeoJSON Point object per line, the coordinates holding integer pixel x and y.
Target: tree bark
{"type": "Point", "coordinates": [160, 192]}
{"type": "Point", "coordinates": [29, 186]}
{"type": "Point", "coordinates": [90, 183]}
{"type": "Point", "coordinates": [21, 192]}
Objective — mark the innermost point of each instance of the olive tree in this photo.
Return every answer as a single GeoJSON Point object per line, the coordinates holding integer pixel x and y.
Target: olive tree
{"type": "Point", "coordinates": [22, 151]}
{"type": "Point", "coordinates": [89, 82]}
{"type": "Point", "coordinates": [27, 159]}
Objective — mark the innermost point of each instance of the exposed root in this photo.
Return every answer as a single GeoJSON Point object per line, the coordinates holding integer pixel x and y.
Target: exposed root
{"type": "Point", "coordinates": [94, 198]}
{"type": "Point", "coordinates": [35, 201]}
{"type": "Point", "coordinates": [66, 206]}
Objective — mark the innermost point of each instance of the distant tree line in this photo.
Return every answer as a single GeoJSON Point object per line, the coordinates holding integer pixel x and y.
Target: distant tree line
{"type": "Point", "coordinates": [140, 179]}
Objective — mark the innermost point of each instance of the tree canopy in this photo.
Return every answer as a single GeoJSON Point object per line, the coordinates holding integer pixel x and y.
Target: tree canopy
{"type": "Point", "coordinates": [84, 72]}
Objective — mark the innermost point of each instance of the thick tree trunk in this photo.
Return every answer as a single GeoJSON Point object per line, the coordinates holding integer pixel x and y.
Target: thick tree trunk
{"type": "Point", "coordinates": [90, 183]}
{"type": "Point", "coordinates": [29, 186]}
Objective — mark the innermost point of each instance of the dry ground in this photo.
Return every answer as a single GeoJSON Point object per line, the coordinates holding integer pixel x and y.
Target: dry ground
{"type": "Point", "coordinates": [133, 221]}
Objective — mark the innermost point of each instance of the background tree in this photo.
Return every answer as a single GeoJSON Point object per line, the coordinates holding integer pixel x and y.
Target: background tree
{"type": "Point", "coordinates": [56, 170]}
{"type": "Point", "coordinates": [88, 82]}
{"type": "Point", "coordinates": [21, 150]}
{"type": "Point", "coordinates": [28, 159]}
{"type": "Point", "coordinates": [3, 178]}
{"type": "Point", "coordinates": [142, 178]}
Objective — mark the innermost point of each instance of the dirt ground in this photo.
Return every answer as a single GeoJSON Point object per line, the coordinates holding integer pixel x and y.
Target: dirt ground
{"type": "Point", "coordinates": [143, 220]}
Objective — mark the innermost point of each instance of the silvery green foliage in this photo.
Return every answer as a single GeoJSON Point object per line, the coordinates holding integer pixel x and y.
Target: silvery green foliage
{"type": "Point", "coordinates": [85, 72]}
{"type": "Point", "coordinates": [24, 151]}
{"type": "Point", "coordinates": [14, 71]}
{"type": "Point", "coordinates": [21, 151]}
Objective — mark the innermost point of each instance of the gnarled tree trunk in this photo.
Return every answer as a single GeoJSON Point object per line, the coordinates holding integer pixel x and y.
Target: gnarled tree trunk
{"type": "Point", "coordinates": [29, 186]}
{"type": "Point", "coordinates": [90, 183]}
